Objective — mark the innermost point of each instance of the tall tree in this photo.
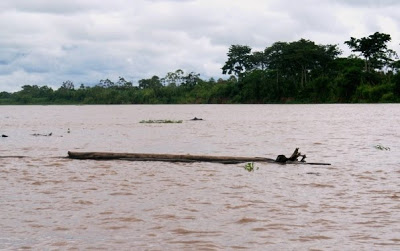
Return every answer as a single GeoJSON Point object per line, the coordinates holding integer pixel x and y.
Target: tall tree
{"type": "Point", "coordinates": [173, 78]}
{"type": "Point", "coordinates": [298, 61]}
{"type": "Point", "coordinates": [106, 83]}
{"type": "Point", "coordinates": [275, 58]}
{"type": "Point", "coordinates": [123, 83]}
{"type": "Point", "coordinates": [239, 60]}
{"type": "Point", "coordinates": [191, 80]}
{"type": "Point", "coordinates": [259, 60]}
{"type": "Point", "coordinates": [374, 50]}
{"type": "Point", "coordinates": [68, 85]}
{"type": "Point", "coordinates": [151, 83]}
{"type": "Point", "coordinates": [308, 58]}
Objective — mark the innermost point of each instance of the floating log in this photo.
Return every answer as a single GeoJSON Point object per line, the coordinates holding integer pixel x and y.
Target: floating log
{"type": "Point", "coordinates": [176, 158]}
{"type": "Point", "coordinates": [12, 157]}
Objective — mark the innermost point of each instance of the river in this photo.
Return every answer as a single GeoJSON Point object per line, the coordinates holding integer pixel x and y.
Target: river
{"type": "Point", "coordinates": [49, 202]}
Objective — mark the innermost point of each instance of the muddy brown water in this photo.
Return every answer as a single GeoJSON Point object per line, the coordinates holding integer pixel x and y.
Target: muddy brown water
{"type": "Point", "coordinates": [49, 202]}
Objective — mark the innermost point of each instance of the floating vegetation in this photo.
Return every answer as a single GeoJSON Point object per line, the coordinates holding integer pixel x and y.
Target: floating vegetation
{"type": "Point", "coordinates": [161, 121]}
{"type": "Point", "coordinates": [250, 167]}
{"type": "Point", "coordinates": [39, 134]}
{"type": "Point", "coordinates": [381, 147]}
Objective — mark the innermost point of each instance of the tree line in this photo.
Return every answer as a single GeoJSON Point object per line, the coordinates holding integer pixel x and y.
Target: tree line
{"type": "Point", "coordinates": [285, 72]}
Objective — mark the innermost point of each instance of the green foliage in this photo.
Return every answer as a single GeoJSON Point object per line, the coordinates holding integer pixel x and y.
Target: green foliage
{"type": "Point", "coordinates": [239, 60]}
{"type": "Point", "coordinates": [347, 82]}
{"type": "Point", "coordinates": [396, 88]}
{"type": "Point", "coordinates": [69, 85]}
{"type": "Point", "coordinates": [373, 94]}
{"type": "Point", "coordinates": [250, 167]}
{"type": "Point", "coordinates": [321, 90]}
{"type": "Point", "coordinates": [374, 49]}
{"type": "Point", "coordinates": [173, 79]}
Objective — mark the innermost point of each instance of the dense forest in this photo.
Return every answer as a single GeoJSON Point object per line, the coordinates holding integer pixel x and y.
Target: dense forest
{"type": "Point", "coordinates": [285, 72]}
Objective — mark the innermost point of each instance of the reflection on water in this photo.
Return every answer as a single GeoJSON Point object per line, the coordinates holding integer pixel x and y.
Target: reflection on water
{"type": "Point", "coordinates": [51, 202]}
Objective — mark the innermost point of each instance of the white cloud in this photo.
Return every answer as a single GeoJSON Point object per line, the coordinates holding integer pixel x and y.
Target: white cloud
{"type": "Point", "coordinates": [48, 42]}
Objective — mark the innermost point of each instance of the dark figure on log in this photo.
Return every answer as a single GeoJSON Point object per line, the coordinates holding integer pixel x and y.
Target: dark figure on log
{"type": "Point", "coordinates": [4, 136]}
{"type": "Point", "coordinates": [195, 118]}
{"type": "Point", "coordinates": [293, 157]}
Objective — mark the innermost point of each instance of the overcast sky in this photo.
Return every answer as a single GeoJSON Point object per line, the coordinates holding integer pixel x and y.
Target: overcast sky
{"type": "Point", "coordinates": [46, 42]}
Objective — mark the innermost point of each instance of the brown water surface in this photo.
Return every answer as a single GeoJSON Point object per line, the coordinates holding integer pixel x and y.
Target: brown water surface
{"type": "Point", "coordinates": [51, 202]}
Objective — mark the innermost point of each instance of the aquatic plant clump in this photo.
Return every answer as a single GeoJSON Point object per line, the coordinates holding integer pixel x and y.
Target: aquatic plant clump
{"type": "Point", "coordinates": [249, 167]}
{"type": "Point", "coordinates": [383, 148]}
{"type": "Point", "coordinates": [161, 121]}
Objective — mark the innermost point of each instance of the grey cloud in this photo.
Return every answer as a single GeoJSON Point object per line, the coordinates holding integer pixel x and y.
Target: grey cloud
{"type": "Point", "coordinates": [61, 7]}
{"type": "Point", "coordinates": [369, 3]}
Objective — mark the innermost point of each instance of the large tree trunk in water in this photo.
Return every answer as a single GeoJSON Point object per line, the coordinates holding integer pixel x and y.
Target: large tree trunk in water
{"type": "Point", "coordinates": [164, 157]}
{"type": "Point", "coordinates": [185, 158]}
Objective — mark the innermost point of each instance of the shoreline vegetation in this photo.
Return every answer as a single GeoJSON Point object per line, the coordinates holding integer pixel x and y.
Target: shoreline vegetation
{"type": "Point", "coordinates": [286, 72]}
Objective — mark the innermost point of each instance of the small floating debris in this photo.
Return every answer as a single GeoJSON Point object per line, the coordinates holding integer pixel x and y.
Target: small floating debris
{"type": "Point", "coordinates": [196, 118]}
{"type": "Point", "coordinates": [4, 136]}
{"type": "Point", "coordinates": [314, 173]}
{"type": "Point", "coordinates": [44, 135]}
{"type": "Point", "coordinates": [381, 147]}
{"type": "Point", "coordinates": [161, 121]}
